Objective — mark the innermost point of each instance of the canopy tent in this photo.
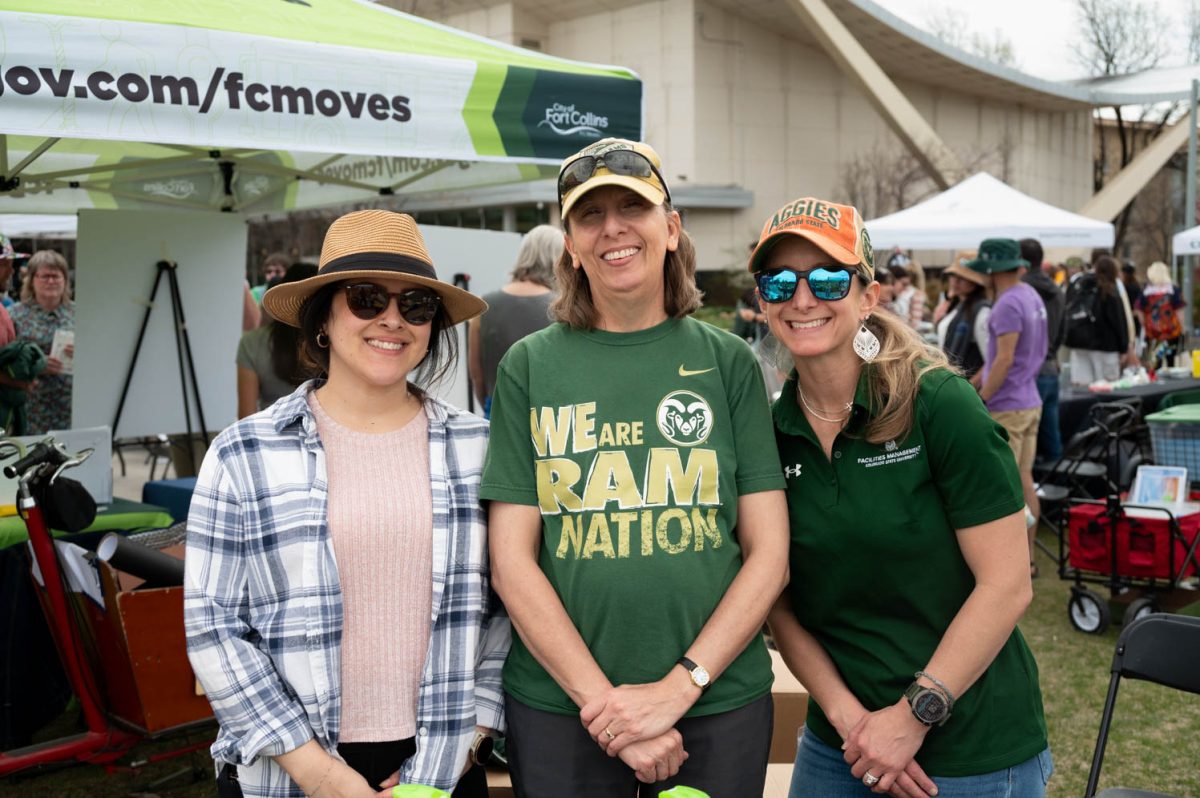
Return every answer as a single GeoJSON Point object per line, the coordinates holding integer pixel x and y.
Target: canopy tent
{"type": "Point", "coordinates": [983, 207]}
{"type": "Point", "coordinates": [20, 225]}
{"type": "Point", "coordinates": [1186, 242]}
{"type": "Point", "coordinates": [278, 104]}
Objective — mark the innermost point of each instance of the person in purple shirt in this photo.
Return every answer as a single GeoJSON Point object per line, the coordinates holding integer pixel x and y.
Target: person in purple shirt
{"type": "Point", "coordinates": [1017, 342]}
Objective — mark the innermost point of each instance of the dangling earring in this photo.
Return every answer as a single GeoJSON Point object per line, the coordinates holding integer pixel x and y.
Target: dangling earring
{"type": "Point", "coordinates": [866, 345]}
{"type": "Point", "coordinates": [323, 340]}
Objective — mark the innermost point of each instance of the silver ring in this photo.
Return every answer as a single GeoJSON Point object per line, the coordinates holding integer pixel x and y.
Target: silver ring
{"type": "Point", "coordinates": [870, 779]}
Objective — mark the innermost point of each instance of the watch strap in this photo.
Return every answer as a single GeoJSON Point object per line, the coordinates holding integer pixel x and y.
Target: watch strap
{"type": "Point", "coordinates": [949, 696]}
{"type": "Point", "coordinates": [691, 666]}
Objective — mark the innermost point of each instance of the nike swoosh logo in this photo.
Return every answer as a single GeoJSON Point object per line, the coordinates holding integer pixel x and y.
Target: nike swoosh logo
{"type": "Point", "coordinates": [685, 373]}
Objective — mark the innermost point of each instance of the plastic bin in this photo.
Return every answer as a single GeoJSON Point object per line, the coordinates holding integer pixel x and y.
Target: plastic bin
{"type": "Point", "coordinates": [1175, 436]}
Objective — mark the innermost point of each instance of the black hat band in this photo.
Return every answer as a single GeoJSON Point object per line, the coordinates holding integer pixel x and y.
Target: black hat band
{"type": "Point", "coordinates": [383, 261]}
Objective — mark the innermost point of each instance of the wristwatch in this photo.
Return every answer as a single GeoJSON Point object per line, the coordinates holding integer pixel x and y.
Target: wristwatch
{"type": "Point", "coordinates": [929, 705]}
{"type": "Point", "coordinates": [481, 749]}
{"type": "Point", "coordinates": [699, 675]}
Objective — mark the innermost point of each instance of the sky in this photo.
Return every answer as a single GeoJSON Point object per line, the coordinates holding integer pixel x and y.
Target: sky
{"type": "Point", "coordinates": [1043, 49]}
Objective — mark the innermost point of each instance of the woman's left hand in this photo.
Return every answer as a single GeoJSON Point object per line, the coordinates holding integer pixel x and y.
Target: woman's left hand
{"type": "Point", "coordinates": [884, 744]}
{"type": "Point", "coordinates": [634, 712]}
{"type": "Point", "coordinates": [385, 786]}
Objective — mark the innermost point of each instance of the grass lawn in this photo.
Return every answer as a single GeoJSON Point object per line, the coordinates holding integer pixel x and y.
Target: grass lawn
{"type": "Point", "coordinates": [1154, 744]}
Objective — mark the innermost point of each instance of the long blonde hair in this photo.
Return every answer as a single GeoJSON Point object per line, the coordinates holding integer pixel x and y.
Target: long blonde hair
{"type": "Point", "coordinates": [894, 376]}
{"type": "Point", "coordinates": [574, 304]}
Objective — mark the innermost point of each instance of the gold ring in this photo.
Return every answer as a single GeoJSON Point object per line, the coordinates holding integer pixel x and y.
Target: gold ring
{"type": "Point", "coordinates": [609, 734]}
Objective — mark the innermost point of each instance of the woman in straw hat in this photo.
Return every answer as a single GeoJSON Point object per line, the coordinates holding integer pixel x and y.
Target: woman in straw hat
{"type": "Point", "coordinates": [638, 527]}
{"type": "Point", "coordinates": [908, 539]}
{"type": "Point", "coordinates": [336, 600]}
{"type": "Point", "coordinates": [962, 333]}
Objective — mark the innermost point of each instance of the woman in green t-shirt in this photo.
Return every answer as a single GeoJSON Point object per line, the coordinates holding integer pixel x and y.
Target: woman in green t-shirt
{"type": "Point", "coordinates": [908, 555]}
{"type": "Point", "coordinates": [638, 524]}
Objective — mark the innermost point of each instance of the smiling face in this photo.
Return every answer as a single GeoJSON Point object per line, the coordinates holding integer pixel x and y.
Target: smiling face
{"type": "Point", "coordinates": [621, 240]}
{"type": "Point", "coordinates": [807, 326]}
{"type": "Point", "coordinates": [377, 353]}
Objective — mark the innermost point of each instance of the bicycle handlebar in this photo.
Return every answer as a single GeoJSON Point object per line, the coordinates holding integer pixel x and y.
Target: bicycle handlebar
{"type": "Point", "coordinates": [45, 452]}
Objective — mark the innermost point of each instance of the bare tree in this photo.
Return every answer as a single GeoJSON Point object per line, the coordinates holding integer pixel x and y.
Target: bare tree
{"type": "Point", "coordinates": [952, 26]}
{"type": "Point", "coordinates": [1192, 23]}
{"type": "Point", "coordinates": [1120, 37]}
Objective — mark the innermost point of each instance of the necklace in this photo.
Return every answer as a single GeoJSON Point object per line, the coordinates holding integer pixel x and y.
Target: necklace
{"type": "Point", "coordinates": [838, 419]}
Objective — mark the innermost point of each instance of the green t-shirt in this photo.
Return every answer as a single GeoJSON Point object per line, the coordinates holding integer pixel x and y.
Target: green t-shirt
{"type": "Point", "coordinates": [635, 447]}
{"type": "Point", "coordinates": [877, 574]}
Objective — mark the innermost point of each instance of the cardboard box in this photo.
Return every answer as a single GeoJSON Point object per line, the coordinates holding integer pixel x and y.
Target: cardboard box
{"type": "Point", "coordinates": [791, 707]}
{"type": "Point", "coordinates": [147, 679]}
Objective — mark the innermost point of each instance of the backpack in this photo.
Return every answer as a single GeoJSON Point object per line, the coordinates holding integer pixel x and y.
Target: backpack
{"type": "Point", "coordinates": [1082, 317]}
{"type": "Point", "coordinates": [1162, 322]}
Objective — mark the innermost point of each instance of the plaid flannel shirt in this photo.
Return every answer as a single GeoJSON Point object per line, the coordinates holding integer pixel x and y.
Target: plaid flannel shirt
{"type": "Point", "coordinates": [263, 605]}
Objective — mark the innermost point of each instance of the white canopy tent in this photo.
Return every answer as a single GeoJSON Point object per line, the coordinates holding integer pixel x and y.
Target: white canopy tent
{"type": "Point", "coordinates": [983, 207]}
{"type": "Point", "coordinates": [1186, 242]}
{"type": "Point", "coordinates": [32, 225]}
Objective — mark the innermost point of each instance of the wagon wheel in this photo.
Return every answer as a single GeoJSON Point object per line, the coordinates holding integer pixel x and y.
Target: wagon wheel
{"type": "Point", "coordinates": [1088, 611]}
{"type": "Point", "coordinates": [1139, 608]}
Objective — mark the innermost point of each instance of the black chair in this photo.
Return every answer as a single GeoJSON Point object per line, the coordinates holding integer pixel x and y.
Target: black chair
{"type": "Point", "coordinates": [1163, 649]}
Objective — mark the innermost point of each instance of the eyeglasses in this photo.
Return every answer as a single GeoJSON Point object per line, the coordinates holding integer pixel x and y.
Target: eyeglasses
{"type": "Point", "coordinates": [829, 285]}
{"type": "Point", "coordinates": [368, 301]}
{"type": "Point", "coordinates": [51, 276]}
{"type": "Point", "coordinates": [620, 162]}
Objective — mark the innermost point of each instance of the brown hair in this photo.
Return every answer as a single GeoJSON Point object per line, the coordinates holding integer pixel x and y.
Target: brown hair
{"type": "Point", "coordinates": [1106, 270]}
{"type": "Point", "coordinates": [894, 376]}
{"type": "Point", "coordinates": [45, 259]}
{"type": "Point", "coordinates": [681, 297]}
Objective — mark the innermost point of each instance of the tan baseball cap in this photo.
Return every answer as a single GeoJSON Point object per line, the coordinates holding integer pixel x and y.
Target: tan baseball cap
{"type": "Point", "coordinates": [650, 186]}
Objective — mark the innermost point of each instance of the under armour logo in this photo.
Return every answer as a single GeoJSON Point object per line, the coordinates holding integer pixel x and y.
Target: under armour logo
{"type": "Point", "coordinates": [792, 471]}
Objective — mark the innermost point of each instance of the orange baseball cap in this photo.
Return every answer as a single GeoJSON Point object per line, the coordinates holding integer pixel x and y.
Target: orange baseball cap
{"type": "Point", "coordinates": [837, 229]}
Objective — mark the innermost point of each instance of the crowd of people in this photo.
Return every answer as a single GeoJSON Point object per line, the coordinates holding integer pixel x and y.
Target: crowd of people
{"type": "Point", "coordinates": [380, 586]}
{"type": "Point", "coordinates": [588, 575]}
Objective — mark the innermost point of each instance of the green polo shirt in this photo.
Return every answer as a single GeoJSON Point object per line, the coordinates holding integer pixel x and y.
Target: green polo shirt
{"type": "Point", "coordinates": [877, 574]}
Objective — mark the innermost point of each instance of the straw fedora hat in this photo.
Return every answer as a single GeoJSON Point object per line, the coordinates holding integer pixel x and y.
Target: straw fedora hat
{"type": "Point", "coordinates": [372, 244]}
{"type": "Point", "coordinates": [970, 275]}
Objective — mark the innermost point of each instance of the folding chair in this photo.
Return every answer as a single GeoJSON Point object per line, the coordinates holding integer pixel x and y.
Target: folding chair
{"type": "Point", "coordinates": [1163, 649]}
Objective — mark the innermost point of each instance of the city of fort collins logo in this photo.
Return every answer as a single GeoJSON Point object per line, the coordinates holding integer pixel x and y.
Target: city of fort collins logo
{"type": "Point", "coordinates": [684, 418]}
{"type": "Point", "coordinates": [566, 121]}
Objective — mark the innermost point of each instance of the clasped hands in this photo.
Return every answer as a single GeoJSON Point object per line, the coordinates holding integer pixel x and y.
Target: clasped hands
{"type": "Point", "coordinates": [636, 722]}
{"type": "Point", "coordinates": [883, 743]}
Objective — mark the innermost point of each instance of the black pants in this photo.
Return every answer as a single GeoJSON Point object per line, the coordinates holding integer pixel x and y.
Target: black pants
{"type": "Point", "coordinates": [551, 755]}
{"type": "Point", "coordinates": [374, 762]}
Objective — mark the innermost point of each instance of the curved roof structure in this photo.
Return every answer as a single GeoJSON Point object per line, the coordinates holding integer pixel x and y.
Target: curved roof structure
{"type": "Point", "coordinates": [901, 49]}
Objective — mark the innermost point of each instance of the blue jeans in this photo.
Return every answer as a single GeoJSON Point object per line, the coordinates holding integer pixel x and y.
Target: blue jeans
{"type": "Point", "coordinates": [1049, 443]}
{"type": "Point", "coordinates": [822, 773]}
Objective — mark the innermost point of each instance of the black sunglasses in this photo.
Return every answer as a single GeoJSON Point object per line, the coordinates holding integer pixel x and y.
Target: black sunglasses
{"type": "Point", "coordinates": [620, 162]}
{"type": "Point", "coordinates": [826, 284]}
{"type": "Point", "coordinates": [368, 300]}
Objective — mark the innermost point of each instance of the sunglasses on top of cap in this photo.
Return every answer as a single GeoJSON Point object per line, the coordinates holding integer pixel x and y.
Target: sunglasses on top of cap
{"type": "Point", "coordinates": [368, 301]}
{"type": "Point", "coordinates": [827, 283]}
{"type": "Point", "coordinates": [628, 163]}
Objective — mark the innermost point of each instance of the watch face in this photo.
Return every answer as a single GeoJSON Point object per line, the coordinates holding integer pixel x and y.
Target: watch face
{"type": "Point", "coordinates": [929, 706]}
{"type": "Point", "coordinates": [700, 676]}
{"type": "Point", "coordinates": [483, 750]}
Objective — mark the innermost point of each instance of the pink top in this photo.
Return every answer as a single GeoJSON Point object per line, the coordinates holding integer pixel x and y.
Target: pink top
{"type": "Point", "coordinates": [381, 522]}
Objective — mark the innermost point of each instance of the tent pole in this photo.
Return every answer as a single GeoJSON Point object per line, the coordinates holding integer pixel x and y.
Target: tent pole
{"type": "Point", "coordinates": [1189, 211]}
{"type": "Point", "coordinates": [280, 185]}
{"type": "Point", "coordinates": [33, 156]}
{"type": "Point", "coordinates": [104, 188]}
{"type": "Point", "coordinates": [284, 171]}
{"type": "Point", "coordinates": [3, 155]}
{"type": "Point", "coordinates": [113, 167]}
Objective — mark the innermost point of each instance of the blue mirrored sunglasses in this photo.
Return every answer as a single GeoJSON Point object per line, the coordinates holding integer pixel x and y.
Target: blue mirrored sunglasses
{"type": "Point", "coordinates": [829, 285]}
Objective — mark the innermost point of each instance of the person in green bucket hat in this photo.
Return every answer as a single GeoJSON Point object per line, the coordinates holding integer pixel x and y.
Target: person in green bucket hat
{"type": "Point", "coordinates": [1018, 337]}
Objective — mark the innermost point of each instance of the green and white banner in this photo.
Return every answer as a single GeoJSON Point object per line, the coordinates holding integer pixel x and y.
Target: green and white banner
{"type": "Point", "coordinates": [292, 84]}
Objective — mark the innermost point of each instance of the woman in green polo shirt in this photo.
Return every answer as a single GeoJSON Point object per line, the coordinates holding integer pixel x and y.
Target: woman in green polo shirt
{"type": "Point", "coordinates": [908, 555]}
{"type": "Point", "coordinates": [637, 512]}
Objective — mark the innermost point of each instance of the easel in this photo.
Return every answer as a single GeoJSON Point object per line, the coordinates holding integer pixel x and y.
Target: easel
{"type": "Point", "coordinates": [183, 350]}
